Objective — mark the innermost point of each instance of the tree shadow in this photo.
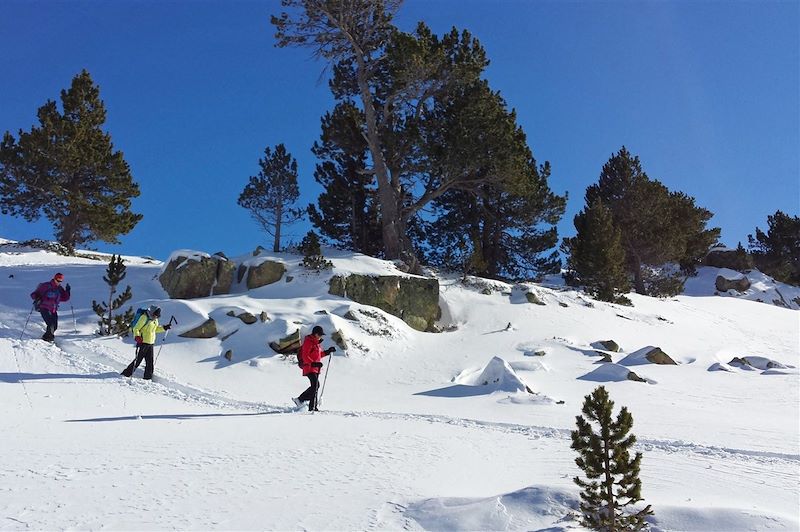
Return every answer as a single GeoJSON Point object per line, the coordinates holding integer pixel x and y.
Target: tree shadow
{"type": "Point", "coordinates": [173, 416]}
{"type": "Point", "coordinates": [458, 390]}
{"type": "Point", "coordinates": [27, 377]}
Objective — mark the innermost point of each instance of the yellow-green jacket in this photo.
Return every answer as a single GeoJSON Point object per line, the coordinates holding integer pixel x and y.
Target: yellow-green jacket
{"type": "Point", "coordinates": [147, 329]}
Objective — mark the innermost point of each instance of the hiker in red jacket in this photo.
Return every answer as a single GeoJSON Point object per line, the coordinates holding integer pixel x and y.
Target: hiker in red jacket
{"type": "Point", "coordinates": [46, 298]}
{"type": "Point", "coordinates": [310, 356]}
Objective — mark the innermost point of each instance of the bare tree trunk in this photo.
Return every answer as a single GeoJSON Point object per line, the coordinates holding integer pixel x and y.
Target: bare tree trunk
{"type": "Point", "coordinates": [396, 244]}
{"type": "Point", "coordinates": [276, 246]}
{"type": "Point", "coordinates": [110, 309]}
{"type": "Point", "coordinates": [609, 485]}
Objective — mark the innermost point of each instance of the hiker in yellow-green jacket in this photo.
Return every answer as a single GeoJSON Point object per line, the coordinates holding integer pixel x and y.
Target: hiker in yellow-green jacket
{"type": "Point", "coordinates": [144, 332]}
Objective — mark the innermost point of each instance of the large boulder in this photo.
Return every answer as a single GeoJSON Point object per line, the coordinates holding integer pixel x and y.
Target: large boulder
{"type": "Point", "coordinates": [740, 284]}
{"type": "Point", "coordinates": [197, 275]}
{"type": "Point", "coordinates": [657, 356]}
{"type": "Point", "coordinates": [208, 329]}
{"type": "Point", "coordinates": [415, 300]}
{"type": "Point", "coordinates": [732, 259]}
{"type": "Point", "coordinates": [264, 273]}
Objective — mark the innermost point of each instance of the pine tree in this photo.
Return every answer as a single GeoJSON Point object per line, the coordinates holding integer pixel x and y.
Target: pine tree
{"type": "Point", "coordinates": [604, 456]}
{"type": "Point", "coordinates": [503, 205]}
{"type": "Point", "coordinates": [66, 170]}
{"type": "Point", "coordinates": [347, 210]}
{"type": "Point", "coordinates": [394, 76]}
{"type": "Point", "coordinates": [777, 252]}
{"type": "Point", "coordinates": [110, 323]}
{"type": "Point", "coordinates": [657, 226]}
{"type": "Point", "coordinates": [270, 195]}
{"type": "Point", "coordinates": [596, 256]}
{"type": "Point", "coordinates": [312, 253]}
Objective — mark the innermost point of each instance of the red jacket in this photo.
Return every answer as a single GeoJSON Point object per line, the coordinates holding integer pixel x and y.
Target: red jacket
{"type": "Point", "coordinates": [310, 352]}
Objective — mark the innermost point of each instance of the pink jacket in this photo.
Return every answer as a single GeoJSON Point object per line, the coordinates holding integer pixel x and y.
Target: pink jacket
{"type": "Point", "coordinates": [50, 294]}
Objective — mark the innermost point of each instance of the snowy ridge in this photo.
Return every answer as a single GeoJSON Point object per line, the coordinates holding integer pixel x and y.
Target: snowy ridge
{"type": "Point", "coordinates": [417, 431]}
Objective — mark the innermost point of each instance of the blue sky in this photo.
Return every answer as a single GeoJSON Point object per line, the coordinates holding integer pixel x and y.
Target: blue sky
{"type": "Point", "coordinates": [706, 93]}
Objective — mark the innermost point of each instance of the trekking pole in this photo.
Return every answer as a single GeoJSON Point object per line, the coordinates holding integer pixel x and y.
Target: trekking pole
{"type": "Point", "coordinates": [322, 392]}
{"type": "Point", "coordinates": [164, 340]}
{"type": "Point", "coordinates": [74, 323]}
{"type": "Point", "coordinates": [26, 322]}
{"type": "Point", "coordinates": [135, 358]}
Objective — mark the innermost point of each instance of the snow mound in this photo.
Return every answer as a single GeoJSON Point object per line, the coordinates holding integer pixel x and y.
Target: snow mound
{"type": "Point", "coordinates": [762, 363]}
{"type": "Point", "coordinates": [531, 508]}
{"type": "Point", "coordinates": [529, 365]}
{"type": "Point", "coordinates": [497, 374]}
{"type": "Point", "coordinates": [611, 372]}
{"type": "Point", "coordinates": [720, 366]}
{"type": "Point", "coordinates": [639, 357]}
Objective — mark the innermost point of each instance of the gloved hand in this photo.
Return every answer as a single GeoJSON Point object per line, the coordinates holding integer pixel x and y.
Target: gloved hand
{"type": "Point", "coordinates": [330, 350]}
{"type": "Point", "coordinates": [167, 327]}
{"type": "Point", "coordinates": [316, 364]}
{"type": "Point", "coordinates": [68, 287]}
{"type": "Point", "coordinates": [138, 340]}
{"type": "Point", "coordinates": [37, 304]}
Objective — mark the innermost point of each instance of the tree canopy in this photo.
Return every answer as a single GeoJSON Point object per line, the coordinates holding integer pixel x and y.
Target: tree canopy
{"type": "Point", "coordinates": [66, 169]}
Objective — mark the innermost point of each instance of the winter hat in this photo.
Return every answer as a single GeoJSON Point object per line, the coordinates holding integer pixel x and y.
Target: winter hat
{"type": "Point", "coordinates": [58, 277]}
{"type": "Point", "coordinates": [318, 330]}
{"type": "Point", "coordinates": [154, 311]}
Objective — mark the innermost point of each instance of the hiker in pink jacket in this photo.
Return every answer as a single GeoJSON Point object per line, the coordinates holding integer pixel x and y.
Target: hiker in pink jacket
{"type": "Point", "coordinates": [46, 298]}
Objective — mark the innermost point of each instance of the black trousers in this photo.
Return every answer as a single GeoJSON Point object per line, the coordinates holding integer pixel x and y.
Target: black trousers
{"type": "Point", "coordinates": [51, 321]}
{"type": "Point", "coordinates": [145, 352]}
{"type": "Point", "coordinates": [310, 394]}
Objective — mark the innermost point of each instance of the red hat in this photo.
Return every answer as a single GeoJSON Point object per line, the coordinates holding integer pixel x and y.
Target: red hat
{"type": "Point", "coordinates": [59, 277]}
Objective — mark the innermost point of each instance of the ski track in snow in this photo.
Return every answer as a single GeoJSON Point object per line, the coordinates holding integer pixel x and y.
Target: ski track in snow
{"type": "Point", "coordinates": [89, 359]}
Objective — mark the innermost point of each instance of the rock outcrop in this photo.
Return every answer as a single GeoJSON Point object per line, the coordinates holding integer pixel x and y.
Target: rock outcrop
{"type": "Point", "coordinates": [740, 285]}
{"type": "Point", "coordinates": [415, 300]}
{"type": "Point", "coordinates": [657, 356]}
{"type": "Point", "coordinates": [263, 273]}
{"type": "Point", "coordinates": [198, 275]}
{"type": "Point", "coordinates": [208, 329]}
{"type": "Point", "coordinates": [729, 258]}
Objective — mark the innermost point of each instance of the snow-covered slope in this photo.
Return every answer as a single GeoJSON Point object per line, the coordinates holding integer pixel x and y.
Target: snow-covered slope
{"type": "Point", "coordinates": [417, 430]}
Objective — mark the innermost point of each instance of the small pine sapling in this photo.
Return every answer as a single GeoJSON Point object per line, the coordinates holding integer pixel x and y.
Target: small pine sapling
{"type": "Point", "coordinates": [312, 253]}
{"type": "Point", "coordinates": [109, 322]}
{"type": "Point", "coordinates": [613, 477]}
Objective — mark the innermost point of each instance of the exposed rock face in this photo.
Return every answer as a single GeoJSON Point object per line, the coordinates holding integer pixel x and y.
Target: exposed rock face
{"type": "Point", "coordinates": [247, 318]}
{"type": "Point", "coordinates": [263, 316]}
{"type": "Point", "coordinates": [657, 356]}
{"type": "Point", "coordinates": [338, 337]}
{"type": "Point", "coordinates": [415, 300]}
{"type": "Point", "coordinates": [740, 285]}
{"type": "Point", "coordinates": [265, 273]}
{"type": "Point", "coordinates": [533, 298]}
{"type": "Point", "coordinates": [609, 345]}
{"type": "Point", "coordinates": [634, 377]}
{"type": "Point", "coordinates": [728, 258]}
{"type": "Point", "coordinates": [185, 278]}
{"type": "Point", "coordinates": [207, 330]}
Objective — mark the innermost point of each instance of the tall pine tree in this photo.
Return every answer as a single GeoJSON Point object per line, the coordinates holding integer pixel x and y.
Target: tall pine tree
{"type": "Point", "coordinates": [109, 322]}
{"type": "Point", "coordinates": [596, 256]}
{"type": "Point", "coordinates": [657, 226]}
{"type": "Point", "coordinates": [347, 210]}
{"type": "Point", "coordinates": [612, 484]}
{"type": "Point", "coordinates": [502, 202]}
{"type": "Point", "coordinates": [270, 195]}
{"type": "Point", "coordinates": [66, 170]}
{"type": "Point", "coordinates": [777, 252]}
